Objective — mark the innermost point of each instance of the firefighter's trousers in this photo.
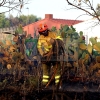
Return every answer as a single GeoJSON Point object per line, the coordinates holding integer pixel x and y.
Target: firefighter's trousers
{"type": "Point", "coordinates": [46, 67]}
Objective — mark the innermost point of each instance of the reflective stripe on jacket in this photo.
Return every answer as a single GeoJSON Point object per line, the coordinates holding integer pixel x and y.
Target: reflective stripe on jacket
{"type": "Point", "coordinates": [44, 44]}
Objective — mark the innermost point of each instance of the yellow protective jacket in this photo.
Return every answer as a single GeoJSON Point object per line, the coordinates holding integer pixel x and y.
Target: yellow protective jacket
{"type": "Point", "coordinates": [44, 44]}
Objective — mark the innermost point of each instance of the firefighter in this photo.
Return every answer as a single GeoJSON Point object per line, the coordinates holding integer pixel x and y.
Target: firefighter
{"type": "Point", "coordinates": [46, 47]}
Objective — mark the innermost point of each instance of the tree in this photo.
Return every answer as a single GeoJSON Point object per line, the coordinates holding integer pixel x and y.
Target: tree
{"type": "Point", "coordinates": [2, 20]}
{"type": "Point", "coordinates": [33, 18]}
{"type": "Point", "coordinates": [15, 21]}
{"type": "Point", "coordinates": [86, 6]}
{"type": "Point", "coordinates": [7, 23]}
{"type": "Point", "coordinates": [24, 20]}
{"type": "Point", "coordinates": [12, 5]}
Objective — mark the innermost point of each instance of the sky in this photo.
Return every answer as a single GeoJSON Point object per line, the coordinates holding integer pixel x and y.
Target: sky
{"type": "Point", "coordinates": [59, 9]}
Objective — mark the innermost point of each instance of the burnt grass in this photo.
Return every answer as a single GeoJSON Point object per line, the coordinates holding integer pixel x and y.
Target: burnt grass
{"type": "Point", "coordinates": [14, 88]}
{"type": "Point", "coordinates": [8, 94]}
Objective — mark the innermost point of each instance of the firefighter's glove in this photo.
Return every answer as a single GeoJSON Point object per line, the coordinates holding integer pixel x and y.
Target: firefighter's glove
{"type": "Point", "coordinates": [48, 55]}
{"type": "Point", "coordinates": [52, 40]}
{"type": "Point", "coordinates": [40, 51]}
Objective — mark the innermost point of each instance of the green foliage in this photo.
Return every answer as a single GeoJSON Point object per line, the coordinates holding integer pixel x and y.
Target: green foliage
{"type": "Point", "coordinates": [67, 31]}
{"type": "Point", "coordinates": [2, 20]}
{"type": "Point", "coordinates": [7, 23]}
{"type": "Point", "coordinates": [19, 30]}
{"type": "Point", "coordinates": [24, 20]}
{"type": "Point", "coordinates": [53, 28]}
{"type": "Point", "coordinates": [81, 33]}
{"type": "Point", "coordinates": [73, 28]}
{"type": "Point", "coordinates": [14, 21]}
{"type": "Point", "coordinates": [33, 18]}
{"type": "Point", "coordinates": [93, 40]}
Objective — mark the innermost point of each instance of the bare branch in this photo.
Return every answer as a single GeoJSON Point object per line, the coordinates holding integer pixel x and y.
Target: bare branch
{"type": "Point", "coordinates": [78, 17]}
{"type": "Point", "coordinates": [13, 5]}
{"type": "Point", "coordinates": [83, 9]}
{"type": "Point", "coordinates": [2, 3]}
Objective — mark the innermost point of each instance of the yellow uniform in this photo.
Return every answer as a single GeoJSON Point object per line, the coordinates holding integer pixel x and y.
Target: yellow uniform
{"type": "Point", "coordinates": [44, 45]}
